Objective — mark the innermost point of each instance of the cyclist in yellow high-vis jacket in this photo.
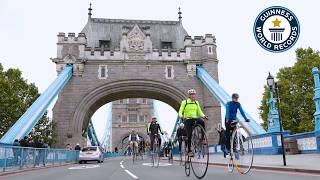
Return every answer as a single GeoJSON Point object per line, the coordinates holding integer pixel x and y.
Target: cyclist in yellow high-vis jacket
{"type": "Point", "coordinates": [190, 112]}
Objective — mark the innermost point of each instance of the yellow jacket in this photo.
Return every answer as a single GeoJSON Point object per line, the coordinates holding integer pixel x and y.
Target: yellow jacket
{"type": "Point", "coordinates": [190, 109]}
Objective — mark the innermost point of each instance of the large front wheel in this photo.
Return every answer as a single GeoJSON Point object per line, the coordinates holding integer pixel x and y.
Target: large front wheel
{"type": "Point", "coordinates": [200, 149]}
{"type": "Point", "coordinates": [242, 150]}
{"type": "Point", "coordinates": [187, 163]}
{"type": "Point", "coordinates": [183, 153]}
{"type": "Point", "coordinates": [133, 153]}
{"type": "Point", "coordinates": [155, 155]}
{"type": "Point", "coordinates": [170, 156]}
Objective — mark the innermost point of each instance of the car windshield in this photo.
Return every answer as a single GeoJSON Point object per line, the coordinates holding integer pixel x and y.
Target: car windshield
{"type": "Point", "coordinates": [89, 149]}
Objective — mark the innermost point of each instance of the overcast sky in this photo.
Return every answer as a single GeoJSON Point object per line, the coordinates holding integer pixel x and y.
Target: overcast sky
{"type": "Point", "coordinates": [29, 28]}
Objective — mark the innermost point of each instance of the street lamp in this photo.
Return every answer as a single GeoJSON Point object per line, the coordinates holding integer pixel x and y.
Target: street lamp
{"type": "Point", "coordinates": [273, 86]}
{"type": "Point", "coordinates": [270, 81]}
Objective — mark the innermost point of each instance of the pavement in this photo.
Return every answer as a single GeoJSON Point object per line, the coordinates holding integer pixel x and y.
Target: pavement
{"type": "Point", "coordinates": [300, 162]}
{"type": "Point", "coordinates": [124, 169]}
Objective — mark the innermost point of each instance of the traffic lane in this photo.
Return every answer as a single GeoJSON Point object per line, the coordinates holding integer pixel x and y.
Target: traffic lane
{"type": "Point", "coordinates": [110, 169]}
{"type": "Point", "coordinates": [176, 172]}
{"type": "Point", "coordinates": [144, 170]}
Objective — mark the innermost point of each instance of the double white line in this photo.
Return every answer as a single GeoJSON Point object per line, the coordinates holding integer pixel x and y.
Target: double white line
{"type": "Point", "coordinates": [127, 171]}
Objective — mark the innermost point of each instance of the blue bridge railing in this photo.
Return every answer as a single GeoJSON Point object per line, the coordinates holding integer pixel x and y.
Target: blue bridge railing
{"type": "Point", "coordinates": [17, 158]}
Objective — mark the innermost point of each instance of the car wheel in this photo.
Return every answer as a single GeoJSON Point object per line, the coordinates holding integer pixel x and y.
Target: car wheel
{"type": "Point", "coordinates": [80, 162]}
{"type": "Point", "coordinates": [85, 162]}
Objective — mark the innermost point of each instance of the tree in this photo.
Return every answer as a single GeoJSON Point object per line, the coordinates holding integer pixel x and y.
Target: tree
{"type": "Point", "coordinates": [45, 130]}
{"type": "Point", "coordinates": [296, 93]}
{"type": "Point", "coordinates": [16, 96]}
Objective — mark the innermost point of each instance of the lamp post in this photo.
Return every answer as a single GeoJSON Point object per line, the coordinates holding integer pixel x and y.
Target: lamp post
{"type": "Point", "coordinates": [273, 86]}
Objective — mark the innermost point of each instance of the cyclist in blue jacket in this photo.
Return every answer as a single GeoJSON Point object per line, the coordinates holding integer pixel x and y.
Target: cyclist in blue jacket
{"type": "Point", "coordinates": [232, 108]}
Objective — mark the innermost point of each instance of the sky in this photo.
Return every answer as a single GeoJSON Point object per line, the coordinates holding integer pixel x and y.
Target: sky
{"type": "Point", "coordinates": [29, 28]}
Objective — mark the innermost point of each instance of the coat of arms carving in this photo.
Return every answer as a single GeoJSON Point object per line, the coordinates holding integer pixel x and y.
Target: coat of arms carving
{"type": "Point", "coordinates": [136, 39]}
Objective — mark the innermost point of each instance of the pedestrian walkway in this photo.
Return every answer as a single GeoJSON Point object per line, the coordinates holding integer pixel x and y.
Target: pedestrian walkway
{"type": "Point", "coordinates": [300, 162]}
{"type": "Point", "coordinates": [13, 170]}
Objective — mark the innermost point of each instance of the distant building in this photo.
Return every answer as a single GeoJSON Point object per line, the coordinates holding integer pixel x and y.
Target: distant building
{"type": "Point", "coordinates": [128, 114]}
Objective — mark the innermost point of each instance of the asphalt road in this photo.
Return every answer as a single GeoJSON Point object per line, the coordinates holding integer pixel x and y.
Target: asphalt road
{"type": "Point", "coordinates": [123, 169]}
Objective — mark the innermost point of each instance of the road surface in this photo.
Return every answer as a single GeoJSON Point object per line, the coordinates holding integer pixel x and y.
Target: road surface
{"type": "Point", "coordinates": [123, 169]}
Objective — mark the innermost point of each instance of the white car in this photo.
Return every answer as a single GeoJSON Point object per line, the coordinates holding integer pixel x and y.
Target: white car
{"type": "Point", "coordinates": [91, 153]}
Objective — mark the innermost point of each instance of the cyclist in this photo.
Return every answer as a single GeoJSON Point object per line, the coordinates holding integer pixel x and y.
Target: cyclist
{"type": "Point", "coordinates": [181, 132]}
{"type": "Point", "coordinates": [190, 112]}
{"type": "Point", "coordinates": [231, 115]}
{"type": "Point", "coordinates": [133, 139]}
{"type": "Point", "coordinates": [142, 146]}
{"type": "Point", "coordinates": [154, 129]}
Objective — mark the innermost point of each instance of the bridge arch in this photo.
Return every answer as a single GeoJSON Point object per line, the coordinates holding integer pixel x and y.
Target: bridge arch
{"type": "Point", "coordinates": [109, 92]}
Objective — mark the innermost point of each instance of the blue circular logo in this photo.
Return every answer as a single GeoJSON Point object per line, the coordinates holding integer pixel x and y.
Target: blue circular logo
{"type": "Point", "coordinates": [276, 29]}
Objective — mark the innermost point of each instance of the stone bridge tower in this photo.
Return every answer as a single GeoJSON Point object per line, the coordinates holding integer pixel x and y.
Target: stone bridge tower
{"type": "Point", "coordinates": [128, 114]}
{"type": "Point", "coordinates": [116, 59]}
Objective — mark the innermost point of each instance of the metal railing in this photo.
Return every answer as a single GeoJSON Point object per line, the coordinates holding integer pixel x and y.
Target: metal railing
{"type": "Point", "coordinates": [16, 157]}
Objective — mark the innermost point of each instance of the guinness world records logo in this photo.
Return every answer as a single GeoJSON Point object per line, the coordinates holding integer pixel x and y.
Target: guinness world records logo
{"type": "Point", "coordinates": [276, 29]}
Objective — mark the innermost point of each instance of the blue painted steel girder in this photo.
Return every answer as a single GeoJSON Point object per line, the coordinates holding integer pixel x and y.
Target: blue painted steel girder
{"type": "Point", "coordinates": [218, 92]}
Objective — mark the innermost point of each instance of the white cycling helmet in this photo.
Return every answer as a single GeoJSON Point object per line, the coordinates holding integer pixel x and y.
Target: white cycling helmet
{"type": "Point", "coordinates": [154, 117]}
{"type": "Point", "coordinates": [181, 125]}
{"type": "Point", "coordinates": [192, 91]}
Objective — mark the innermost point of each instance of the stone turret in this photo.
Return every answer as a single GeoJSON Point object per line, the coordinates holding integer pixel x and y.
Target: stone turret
{"type": "Point", "coordinates": [70, 50]}
{"type": "Point", "coordinates": [201, 50]}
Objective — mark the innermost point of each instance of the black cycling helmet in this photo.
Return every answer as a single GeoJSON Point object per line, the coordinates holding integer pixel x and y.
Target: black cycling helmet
{"type": "Point", "coordinates": [235, 95]}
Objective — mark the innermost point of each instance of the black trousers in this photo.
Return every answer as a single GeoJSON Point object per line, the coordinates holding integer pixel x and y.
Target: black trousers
{"type": "Point", "coordinates": [189, 123]}
{"type": "Point", "coordinates": [180, 143]}
{"type": "Point", "coordinates": [152, 136]}
{"type": "Point", "coordinates": [230, 127]}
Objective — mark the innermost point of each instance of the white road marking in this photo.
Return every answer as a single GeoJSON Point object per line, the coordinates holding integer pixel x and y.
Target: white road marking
{"type": "Point", "coordinates": [121, 166]}
{"type": "Point", "coordinates": [132, 175]}
{"type": "Point", "coordinates": [84, 167]}
{"type": "Point", "coordinates": [160, 164]}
